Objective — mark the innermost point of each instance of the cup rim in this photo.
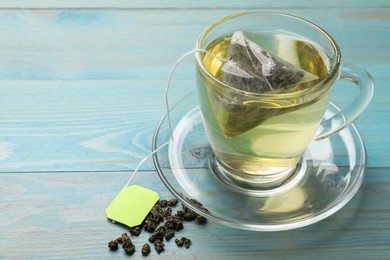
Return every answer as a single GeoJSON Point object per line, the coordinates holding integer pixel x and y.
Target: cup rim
{"type": "Point", "coordinates": [333, 70]}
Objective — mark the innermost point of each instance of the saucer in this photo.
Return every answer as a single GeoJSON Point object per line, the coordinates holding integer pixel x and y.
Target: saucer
{"type": "Point", "coordinates": [334, 171]}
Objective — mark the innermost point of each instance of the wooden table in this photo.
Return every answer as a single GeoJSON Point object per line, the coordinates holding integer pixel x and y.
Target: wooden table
{"type": "Point", "coordinates": [82, 85]}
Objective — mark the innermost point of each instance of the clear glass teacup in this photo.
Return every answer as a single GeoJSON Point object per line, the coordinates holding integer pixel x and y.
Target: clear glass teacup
{"type": "Point", "coordinates": [258, 139]}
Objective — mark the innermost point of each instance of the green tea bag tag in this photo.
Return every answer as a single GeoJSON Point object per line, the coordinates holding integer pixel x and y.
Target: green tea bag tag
{"type": "Point", "coordinates": [131, 206]}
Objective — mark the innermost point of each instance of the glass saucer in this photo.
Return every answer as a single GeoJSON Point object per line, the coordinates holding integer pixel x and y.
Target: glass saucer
{"type": "Point", "coordinates": [334, 170]}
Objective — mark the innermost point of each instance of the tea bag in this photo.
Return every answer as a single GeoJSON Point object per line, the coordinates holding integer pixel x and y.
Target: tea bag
{"type": "Point", "coordinates": [253, 69]}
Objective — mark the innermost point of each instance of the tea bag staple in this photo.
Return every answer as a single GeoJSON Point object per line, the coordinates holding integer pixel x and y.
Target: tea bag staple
{"type": "Point", "coordinates": [251, 68]}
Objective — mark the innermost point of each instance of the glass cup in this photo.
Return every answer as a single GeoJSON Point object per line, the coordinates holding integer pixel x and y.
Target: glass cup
{"type": "Point", "coordinates": [258, 139]}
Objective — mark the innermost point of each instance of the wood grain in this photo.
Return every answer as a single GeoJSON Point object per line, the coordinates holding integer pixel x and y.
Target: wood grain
{"type": "Point", "coordinates": [61, 216]}
{"type": "Point", "coordinates": [83, 89]}
{"type": "Point", "coordinates": [217, 4]}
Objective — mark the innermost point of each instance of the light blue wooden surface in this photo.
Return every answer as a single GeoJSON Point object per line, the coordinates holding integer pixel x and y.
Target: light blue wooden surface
{"type": "Point", "coordinates": [81, 91]}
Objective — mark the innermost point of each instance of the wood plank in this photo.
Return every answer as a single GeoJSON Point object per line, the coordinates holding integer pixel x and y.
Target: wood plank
{"type": "Point", "coordinates": [58, 216]}
{"type": "Point", "coordinates": [77, 124]}
{"type": "Point", "coordinates": [74, 82]}
{"type": "Point", "coordinates": [107, 44]}
{"type": "Point", "coordinates": [220, 4]}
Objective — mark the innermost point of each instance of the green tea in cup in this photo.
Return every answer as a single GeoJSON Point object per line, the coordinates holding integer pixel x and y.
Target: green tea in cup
{"type": "Point", "coordinates": [263, 94]}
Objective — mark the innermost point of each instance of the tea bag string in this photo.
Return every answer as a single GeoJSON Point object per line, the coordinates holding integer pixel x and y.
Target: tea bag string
{"type": "Point", "coordinates": [167, 109]}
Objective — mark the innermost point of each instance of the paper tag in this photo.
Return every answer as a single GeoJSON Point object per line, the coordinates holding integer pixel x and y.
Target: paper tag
{"type": "Point", "coordinates": [131, 206]}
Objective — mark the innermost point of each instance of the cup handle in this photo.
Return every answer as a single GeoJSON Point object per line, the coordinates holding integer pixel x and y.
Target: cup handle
{"type": "Point", "coordinates": [365, 90]}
